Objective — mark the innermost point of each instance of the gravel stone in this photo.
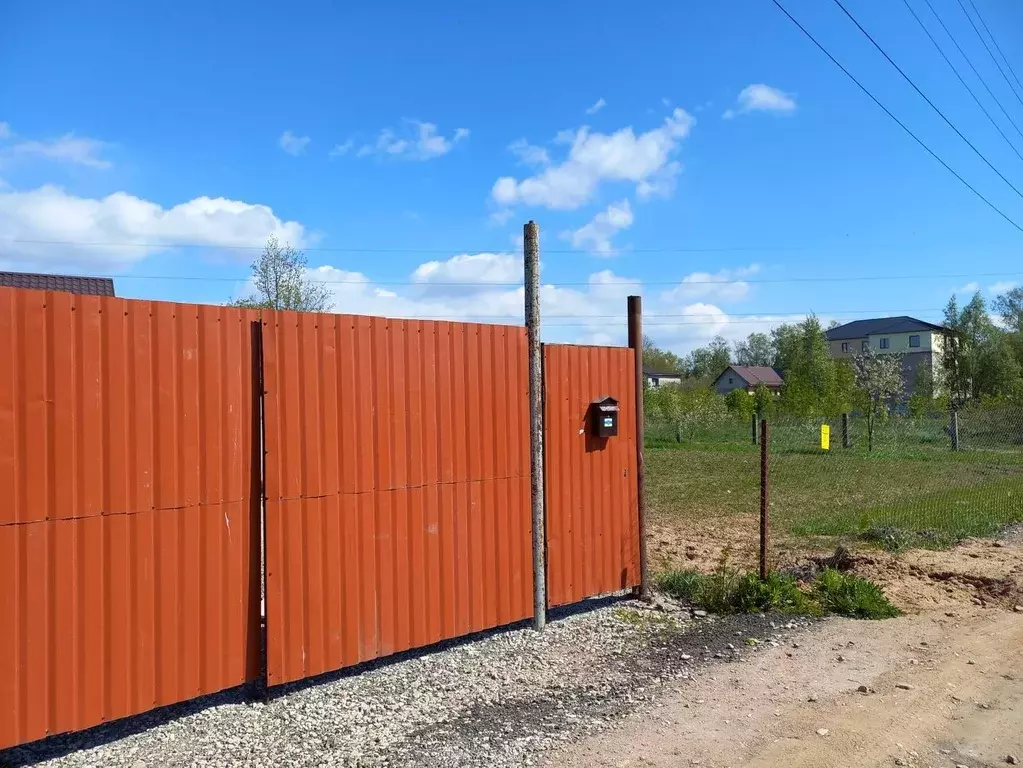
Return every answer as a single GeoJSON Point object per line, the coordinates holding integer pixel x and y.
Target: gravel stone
{"type": "Point", "coordinates": [501, 698]}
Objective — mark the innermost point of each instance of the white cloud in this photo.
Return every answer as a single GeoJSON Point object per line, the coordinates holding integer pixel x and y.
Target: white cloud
{"type": "Point", "coordinates": [292, 144]}
{"type": "Point", "coordinates": [66, 149]}
{"type": "Point", "coordinates": [1002, 287]}
{"type": "Point", "coordinates": [596, 234]}
{"type": "Point", "coordinates": [5, 130]}
{"type": "Point", "coordinates": [761, 98]}
{"type": "Point", "coordinates": [468, 270]}
{"type": "Point", "coordinates": [598, 105]}
{"type": "Point", "coordinates": [971, 287]}
{"type": "Point", "coordinates": [342, 149]}
{"type": "Point", "coordinates": [594, 158]}
{"type": "Point", "coordinates": [724, 285]}
{"type": "Point", "coordinates": [592, 313]}
{"type": "Point", "coordinates": [120, 228]}
{"type": "Point", "coordinates": [501, 216]}
{"type": "Point", "coordinates": [529, 154]}
{"type": "Point", "coordinates": [422, 143]}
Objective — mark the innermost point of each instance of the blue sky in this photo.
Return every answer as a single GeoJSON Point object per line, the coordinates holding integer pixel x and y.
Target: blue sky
{"type": "Point", "coordinates": [403, 146]}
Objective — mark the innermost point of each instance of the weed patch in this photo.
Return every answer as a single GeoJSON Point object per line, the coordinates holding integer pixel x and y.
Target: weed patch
{"type": "Point", "coordinates": [727, 591]}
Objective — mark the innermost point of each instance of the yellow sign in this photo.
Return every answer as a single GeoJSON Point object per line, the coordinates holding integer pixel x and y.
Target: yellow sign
{"type": "Point", "coordinates": [825, 437]}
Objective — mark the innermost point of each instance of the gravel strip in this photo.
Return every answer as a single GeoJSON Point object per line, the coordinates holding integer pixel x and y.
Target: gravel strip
{"type": "Point", "coordinates": [501, 699]}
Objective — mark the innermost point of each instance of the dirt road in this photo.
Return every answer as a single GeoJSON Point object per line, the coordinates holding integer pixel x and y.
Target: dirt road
{"type": "Point", "coordinates": [964, 704]}
{"type": "Point", "coordinates": [944, 685]}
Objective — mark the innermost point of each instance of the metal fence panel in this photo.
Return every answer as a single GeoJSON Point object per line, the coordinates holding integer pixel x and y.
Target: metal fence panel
{"type": "Point", "coordinates": [591, 494]}
{"type": "Point", "coordinates": [397, 482]}
{"type": "Point", "coordinates": [129, 537]}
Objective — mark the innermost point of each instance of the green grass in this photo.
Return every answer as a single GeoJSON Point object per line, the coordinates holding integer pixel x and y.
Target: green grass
{"type": "Point", "coordinates": [846, 594]}
{"type": "Point", "coordinates": [906, 493]}
{"type": "Point", "coordinates": [727, 591]}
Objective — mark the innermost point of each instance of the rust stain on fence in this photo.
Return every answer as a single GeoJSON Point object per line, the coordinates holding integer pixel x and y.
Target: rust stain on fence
{"type": "Point", "coordinates": [129, 538]}
{"type": "Point", "coordinates": [591, 494]}
{"type": "Point", "coordinates": [397, 483]}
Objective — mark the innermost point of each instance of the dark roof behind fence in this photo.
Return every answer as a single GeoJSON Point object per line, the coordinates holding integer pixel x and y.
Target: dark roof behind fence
{"type": "Point", "coordinates": [88, 286]}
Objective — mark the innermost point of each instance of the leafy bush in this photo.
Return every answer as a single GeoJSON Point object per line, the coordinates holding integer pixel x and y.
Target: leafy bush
{"type": "Point", "coordinates": [727, 591]}
{"type": "Point", "coordinates": [848, 595]}
{"type": "Point", "coordinates": [741, 404]}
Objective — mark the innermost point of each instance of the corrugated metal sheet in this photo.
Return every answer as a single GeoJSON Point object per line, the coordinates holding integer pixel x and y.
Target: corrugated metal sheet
{"type": "Point", "coordinates": [129, 536]}
{"type": "Point", "coordinates": [397, 481]}
{"type": "Point", "coordinates": [591, 497]}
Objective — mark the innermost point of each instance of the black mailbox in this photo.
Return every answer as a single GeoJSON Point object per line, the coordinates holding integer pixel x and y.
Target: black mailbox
{"type": "Point", "coordinates": [604, 417]}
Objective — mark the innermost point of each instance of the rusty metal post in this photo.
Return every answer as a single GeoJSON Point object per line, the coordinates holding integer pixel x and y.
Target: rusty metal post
{"type": "Point", "coordinates": [636, 344]}
{"type": "Point", "coordinates": [764, 441]}
{"type": "Point", "coordinates": [531, 280]}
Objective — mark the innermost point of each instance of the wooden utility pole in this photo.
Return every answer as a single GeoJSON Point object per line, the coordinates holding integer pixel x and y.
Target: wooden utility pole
{"type": "Point", "coordinates": [764, 442]}
{"type": "Point", "coordinates": [636, 343]}
{"type": "Point", "coordinates": [531, 280]}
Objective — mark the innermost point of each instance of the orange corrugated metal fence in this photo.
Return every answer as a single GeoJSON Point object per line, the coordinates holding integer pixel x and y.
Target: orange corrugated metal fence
{"type": "Point", "coordinates": [397, 484]}
{"type": "Point", "coordinates": [591, 496]}
{"type": "Point", "coordinates": [129, 533]}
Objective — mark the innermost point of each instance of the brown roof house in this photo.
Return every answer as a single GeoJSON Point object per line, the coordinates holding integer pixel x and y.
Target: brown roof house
{"type": "Point", "coordinates": [747, 377]}
{"type": "Point", "coordinates": [87, 286]}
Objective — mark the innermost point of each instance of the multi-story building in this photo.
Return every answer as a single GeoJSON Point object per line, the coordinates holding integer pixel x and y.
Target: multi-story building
{"type": "Point", "coordinates": [920, 343]}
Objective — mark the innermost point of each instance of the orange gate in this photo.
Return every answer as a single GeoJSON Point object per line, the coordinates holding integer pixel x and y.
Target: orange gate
{"type": "Point", "coordinates": [129, 538]}
{"type": "Point", "coordinates": [591, 496]}
{"type": "Point", "coordinates": [397, 485]}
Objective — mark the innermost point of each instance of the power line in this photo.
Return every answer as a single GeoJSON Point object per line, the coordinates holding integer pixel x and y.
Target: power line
{"type": "Point", "coordinates": [902, 125]}
{"type": "Point", "coordinates": [995, 41]}
{"type": "Point", "coordinates": [714, 315]}
{"type": "Point", "coordinates": [930, 103]}
{"type": "Point", "coordinates": [988, 48]}
{"type": "Point", "coordinates": [974, 68]}
{"type": "Point", "coordinates": [513, 284]}
{"type": "Point", "coordinates": [498, 251]}
{"type": "Point", "coordinates": [961, 80]}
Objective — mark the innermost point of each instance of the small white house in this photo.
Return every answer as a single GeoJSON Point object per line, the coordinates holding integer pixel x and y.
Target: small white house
{"type": "Point", "coordinates": [656, 378]}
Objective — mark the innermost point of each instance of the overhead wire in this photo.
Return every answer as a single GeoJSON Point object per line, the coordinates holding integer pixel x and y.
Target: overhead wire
{"type": "Point", "coordinates": [976, 72]}
{"type": "Point", "coordinates": [930, 103]}
{"type": "Point", "coordinates": [902, 125]}
{"type": "Point", "coordinates": [448, 251]}
{"type": "Point", "coordinates": [995, 41]}
{"type": "Point", "coordinates": [682, 282]}
{"type": "Point", "coordinates": [961, 79]}
{"type": "Point", "coordinates": [988, 48]}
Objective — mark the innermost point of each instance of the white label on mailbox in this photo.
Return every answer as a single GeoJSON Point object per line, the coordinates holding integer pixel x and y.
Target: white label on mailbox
{"type": "Point", "coordinates": [608, 421]}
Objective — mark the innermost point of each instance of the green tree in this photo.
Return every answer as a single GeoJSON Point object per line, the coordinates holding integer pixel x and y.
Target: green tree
{"type": "Point", "coordinates": [280, 281]}
{"type": "Point", "coordinates": [657, 359]}
{"type": "Point", "coordinates": [880, 385]}
{"type": "Point", "coordinates": [763, 401]}
{"type": "Point", "coordinates": [708, 362]}
{"type": "Point", "coordinates": [741, 404]}
{"type": "Point", "coordinates": [757, 349]}
{"type": "Point", "coordinates": [979, 359]}
{"type": "Point", "coordinates": [814, 386]}
{"type": "Point", "coordinates": [689, 408]}
{"type": "Point", "coordinates": [1009, 307]}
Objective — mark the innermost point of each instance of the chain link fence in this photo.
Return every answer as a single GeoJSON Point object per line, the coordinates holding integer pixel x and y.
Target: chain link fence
{"type": "Point", "coordinates": [899, 483]}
